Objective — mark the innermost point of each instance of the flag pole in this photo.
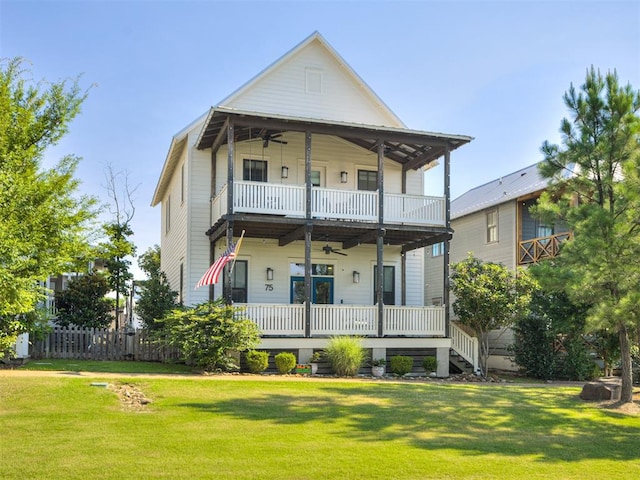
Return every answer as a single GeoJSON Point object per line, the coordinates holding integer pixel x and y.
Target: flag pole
{"type": "Point", "coordinates": [237, 249]}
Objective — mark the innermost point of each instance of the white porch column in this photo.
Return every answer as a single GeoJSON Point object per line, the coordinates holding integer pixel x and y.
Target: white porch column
{"type": "Point", "coordinates": [442, 355]}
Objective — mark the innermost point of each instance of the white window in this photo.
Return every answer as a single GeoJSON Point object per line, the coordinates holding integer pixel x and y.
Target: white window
{"type": "Point", "coordinates": [492, 226]}
{"type": "Point", "coordinates": [437, 249]}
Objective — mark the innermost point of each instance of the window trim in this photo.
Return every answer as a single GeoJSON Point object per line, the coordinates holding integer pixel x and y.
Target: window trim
{"type": "Point", "coordinates": [368, 171]}
{"type": "Point", "coordinates": [266, 169]}
{"type": "Point", "coordinates": [492, 229]}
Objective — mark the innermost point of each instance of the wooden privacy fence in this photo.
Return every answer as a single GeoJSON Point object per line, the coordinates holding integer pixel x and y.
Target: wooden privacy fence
{"type": "Point", "coordinates": [102, 344]}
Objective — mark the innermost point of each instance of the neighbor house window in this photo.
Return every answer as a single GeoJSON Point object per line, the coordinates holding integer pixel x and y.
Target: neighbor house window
{"type": "Point", "coordinates": [167, 215]}
{"type": "Point", "coordinates": [367, 180]}
{"type": "Point", "coordinates": [254, 170]}
{"type": "Point", "coordinates": [492, 226]}
{"type": "Point", "coordinates": [437, 249]}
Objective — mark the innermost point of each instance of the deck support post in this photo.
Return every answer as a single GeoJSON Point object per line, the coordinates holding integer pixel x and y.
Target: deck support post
{"type": "Point", "coordinates": [307, 234]}
{"type": "Point", "coordinates": [226, 279]}
{"type": "Point", "coordinates": [445, 256]}
{"type": "Point", "coordinates": [380, 241]}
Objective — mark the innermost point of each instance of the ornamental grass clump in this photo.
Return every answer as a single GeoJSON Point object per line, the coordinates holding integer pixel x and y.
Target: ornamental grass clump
{"type": "Point", "coordinates": [346, 355]}
{"type": "Point", "coordinates": [257, 361]}
{"type": "Point", "coordinates": [401, 364]}
{"type": "Point", "coordinates": [285, 362]}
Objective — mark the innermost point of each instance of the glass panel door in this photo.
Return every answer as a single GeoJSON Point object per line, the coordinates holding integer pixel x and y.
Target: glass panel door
{"type": "Point", "coordinates": [321, 290]}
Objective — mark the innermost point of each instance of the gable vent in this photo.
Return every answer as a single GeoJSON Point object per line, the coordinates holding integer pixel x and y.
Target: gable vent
{"type": "Point", "coordinates": [313, 80]}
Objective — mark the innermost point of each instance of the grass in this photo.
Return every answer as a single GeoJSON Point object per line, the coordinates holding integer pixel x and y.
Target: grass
{"type": "Point", "coordinates": [106, 367]}
{"type": "Point", "coordinates": [61, 427]}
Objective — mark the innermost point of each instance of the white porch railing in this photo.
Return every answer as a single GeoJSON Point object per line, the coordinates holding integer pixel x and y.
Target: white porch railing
{"type": "Point", "coordinates": [327, 320]}
{"type": "Point", "coordinates": [344, 320]}
{"type": "Point", "coordinates": [416, 321]}
{"type": "Point", "coordinates": [276, 319]}
{"type": "Point", "coordinates": [414, 209]}
{"type": "Point", "coordinates": [278, 199]}
{"type": "Point", "coordinates": [465, 345]}
{"type": "Point", "coordinates": [344, 204]}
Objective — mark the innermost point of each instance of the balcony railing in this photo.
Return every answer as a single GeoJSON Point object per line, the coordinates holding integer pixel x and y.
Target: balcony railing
{"type": "Point", "coordinates": [536, 249]}
{"type": "Point", "coordinates": [327, 203]}
{"type": "Point", "coordinates": [288, 320]}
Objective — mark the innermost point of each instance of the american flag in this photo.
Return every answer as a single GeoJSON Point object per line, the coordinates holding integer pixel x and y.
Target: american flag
{"type": "Point", "coordinates": [212, 275]}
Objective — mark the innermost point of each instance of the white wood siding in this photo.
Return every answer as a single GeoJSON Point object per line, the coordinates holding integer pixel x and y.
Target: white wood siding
{"type": "Point", "coordinates": [199, 222]}
{"type": "Point", "coordinates": [284, 91]}
{"type": "Point", "coordinates": [415, 277]}
{"type": "Point", "coordinates": [471, 234]}
{"type": "Point", "coordinates": [434, 276]}
{"type": "Point", "coordinates": [173, 244]}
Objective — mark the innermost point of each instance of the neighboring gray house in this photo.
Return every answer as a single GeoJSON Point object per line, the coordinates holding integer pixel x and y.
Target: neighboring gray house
{"type": "Point", "coordinates": [493, 222]}
{"type": "Point", "coordinates": [328, 186]}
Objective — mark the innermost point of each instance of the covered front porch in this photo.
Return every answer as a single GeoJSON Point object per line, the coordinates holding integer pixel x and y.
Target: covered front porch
{"type": "Point", "coordinates": [363, 320]}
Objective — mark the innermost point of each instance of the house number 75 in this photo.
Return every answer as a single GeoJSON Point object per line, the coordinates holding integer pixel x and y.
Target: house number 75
{"type": "Point", "coordinates": [268, 287]}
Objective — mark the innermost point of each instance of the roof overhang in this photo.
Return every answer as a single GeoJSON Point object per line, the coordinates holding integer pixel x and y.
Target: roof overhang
{"type": "Point", "coordinates": [413, 149]}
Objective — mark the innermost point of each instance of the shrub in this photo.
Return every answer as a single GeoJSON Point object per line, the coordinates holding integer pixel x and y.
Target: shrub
{"type": "Point", "coordinates": [401, 364]}
{"type": "Point", "coordinates": [430, 364]}
{"type": "Point", "coordinates": [209, 333]}
{"type": "Point", "coordinates": [285, 362]}
{"type": "Point", "coordinates": [257, 361]}
{"type": "Point", "coordinates": [346, 355]}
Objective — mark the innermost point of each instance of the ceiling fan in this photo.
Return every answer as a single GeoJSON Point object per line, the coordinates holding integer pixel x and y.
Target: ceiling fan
{"type": "Point", "coordinates": [328, 249]}
{"type": "Point", "coordinates": [267, 137]}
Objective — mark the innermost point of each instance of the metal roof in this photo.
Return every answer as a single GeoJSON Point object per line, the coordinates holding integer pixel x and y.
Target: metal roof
{"type": "Point", "coordinates": [510, 187]}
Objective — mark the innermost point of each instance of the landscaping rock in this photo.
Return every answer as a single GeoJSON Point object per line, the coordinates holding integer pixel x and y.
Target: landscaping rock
{"type": "Point", "coordinates": [601, 390]}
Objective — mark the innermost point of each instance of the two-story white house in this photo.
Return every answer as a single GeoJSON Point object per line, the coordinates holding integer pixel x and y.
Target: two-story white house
{"type": "Point", "coordinates": [327, 185]}
{"type": "Point", "coordinates": [493, 222]}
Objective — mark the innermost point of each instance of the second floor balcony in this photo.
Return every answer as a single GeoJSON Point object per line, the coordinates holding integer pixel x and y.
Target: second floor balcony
{"type": "Point", "coordinates": [348, 205]}
{"type": "Point", "coordinates": [536, 249]}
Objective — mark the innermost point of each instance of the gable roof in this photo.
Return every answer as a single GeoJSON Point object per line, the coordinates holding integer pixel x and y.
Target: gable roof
{"type": "Point", "coordinates": [315, 39]}
{"type": "Point", "coordinates": [510, 187]}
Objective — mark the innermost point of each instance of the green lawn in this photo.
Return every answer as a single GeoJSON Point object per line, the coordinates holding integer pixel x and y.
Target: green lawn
{"type": "Point", "coordinates": [101, 366]}
{"type": "Point", "coordinates": [61, 427]}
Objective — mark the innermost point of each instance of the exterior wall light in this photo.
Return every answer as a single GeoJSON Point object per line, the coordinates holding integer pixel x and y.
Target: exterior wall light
{"type": "Point", "coordinates": [285, 171]}
{"type": "Point", "coordinates": [356, 277]}
{"type": "Point", "coordinates": [343, 177]}
{"type": "Point", "coordinates": [269, 273]}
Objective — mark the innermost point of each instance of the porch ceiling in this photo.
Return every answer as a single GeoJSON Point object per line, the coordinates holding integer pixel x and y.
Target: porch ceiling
{"type": "Point", "coordinates": [413, 149]}
{"type": "Point", "coordinates": [349, 234]}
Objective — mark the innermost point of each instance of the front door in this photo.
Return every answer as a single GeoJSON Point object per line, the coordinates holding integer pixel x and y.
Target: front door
{"type": "Point", "coordinates": [321, 290]}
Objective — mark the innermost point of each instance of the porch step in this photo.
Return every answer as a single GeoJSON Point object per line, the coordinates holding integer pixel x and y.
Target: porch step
{"type": "Point", "coordinates": [459, 362]}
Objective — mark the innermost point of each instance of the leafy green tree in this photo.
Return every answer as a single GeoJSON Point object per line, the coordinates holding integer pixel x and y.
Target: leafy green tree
{"type": "Point", "coordinates": [84, 303]}
{"type": "Point", "coordinates": [209, 333]}
{"type": "Point", "coordinates": [156, 297]}
{"type": "Point", "coordinates": [595, 188]}
{"type": "Point", "coordinates": [118, 250]}
{"type": "Point", "coordinates": [43, 222]}
{"type": "Point", "coordinates": [488, 297]}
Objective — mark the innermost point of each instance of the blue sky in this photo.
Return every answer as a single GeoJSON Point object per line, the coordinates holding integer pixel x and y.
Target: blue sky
{"type": "Point", "coordinates": [494, 70]}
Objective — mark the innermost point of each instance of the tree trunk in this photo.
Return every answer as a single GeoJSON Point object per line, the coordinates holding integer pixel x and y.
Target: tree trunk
{"type": "Point", "coordinates": [484, 353]}
{"type": "Point", "coordinates": [626, 371]}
